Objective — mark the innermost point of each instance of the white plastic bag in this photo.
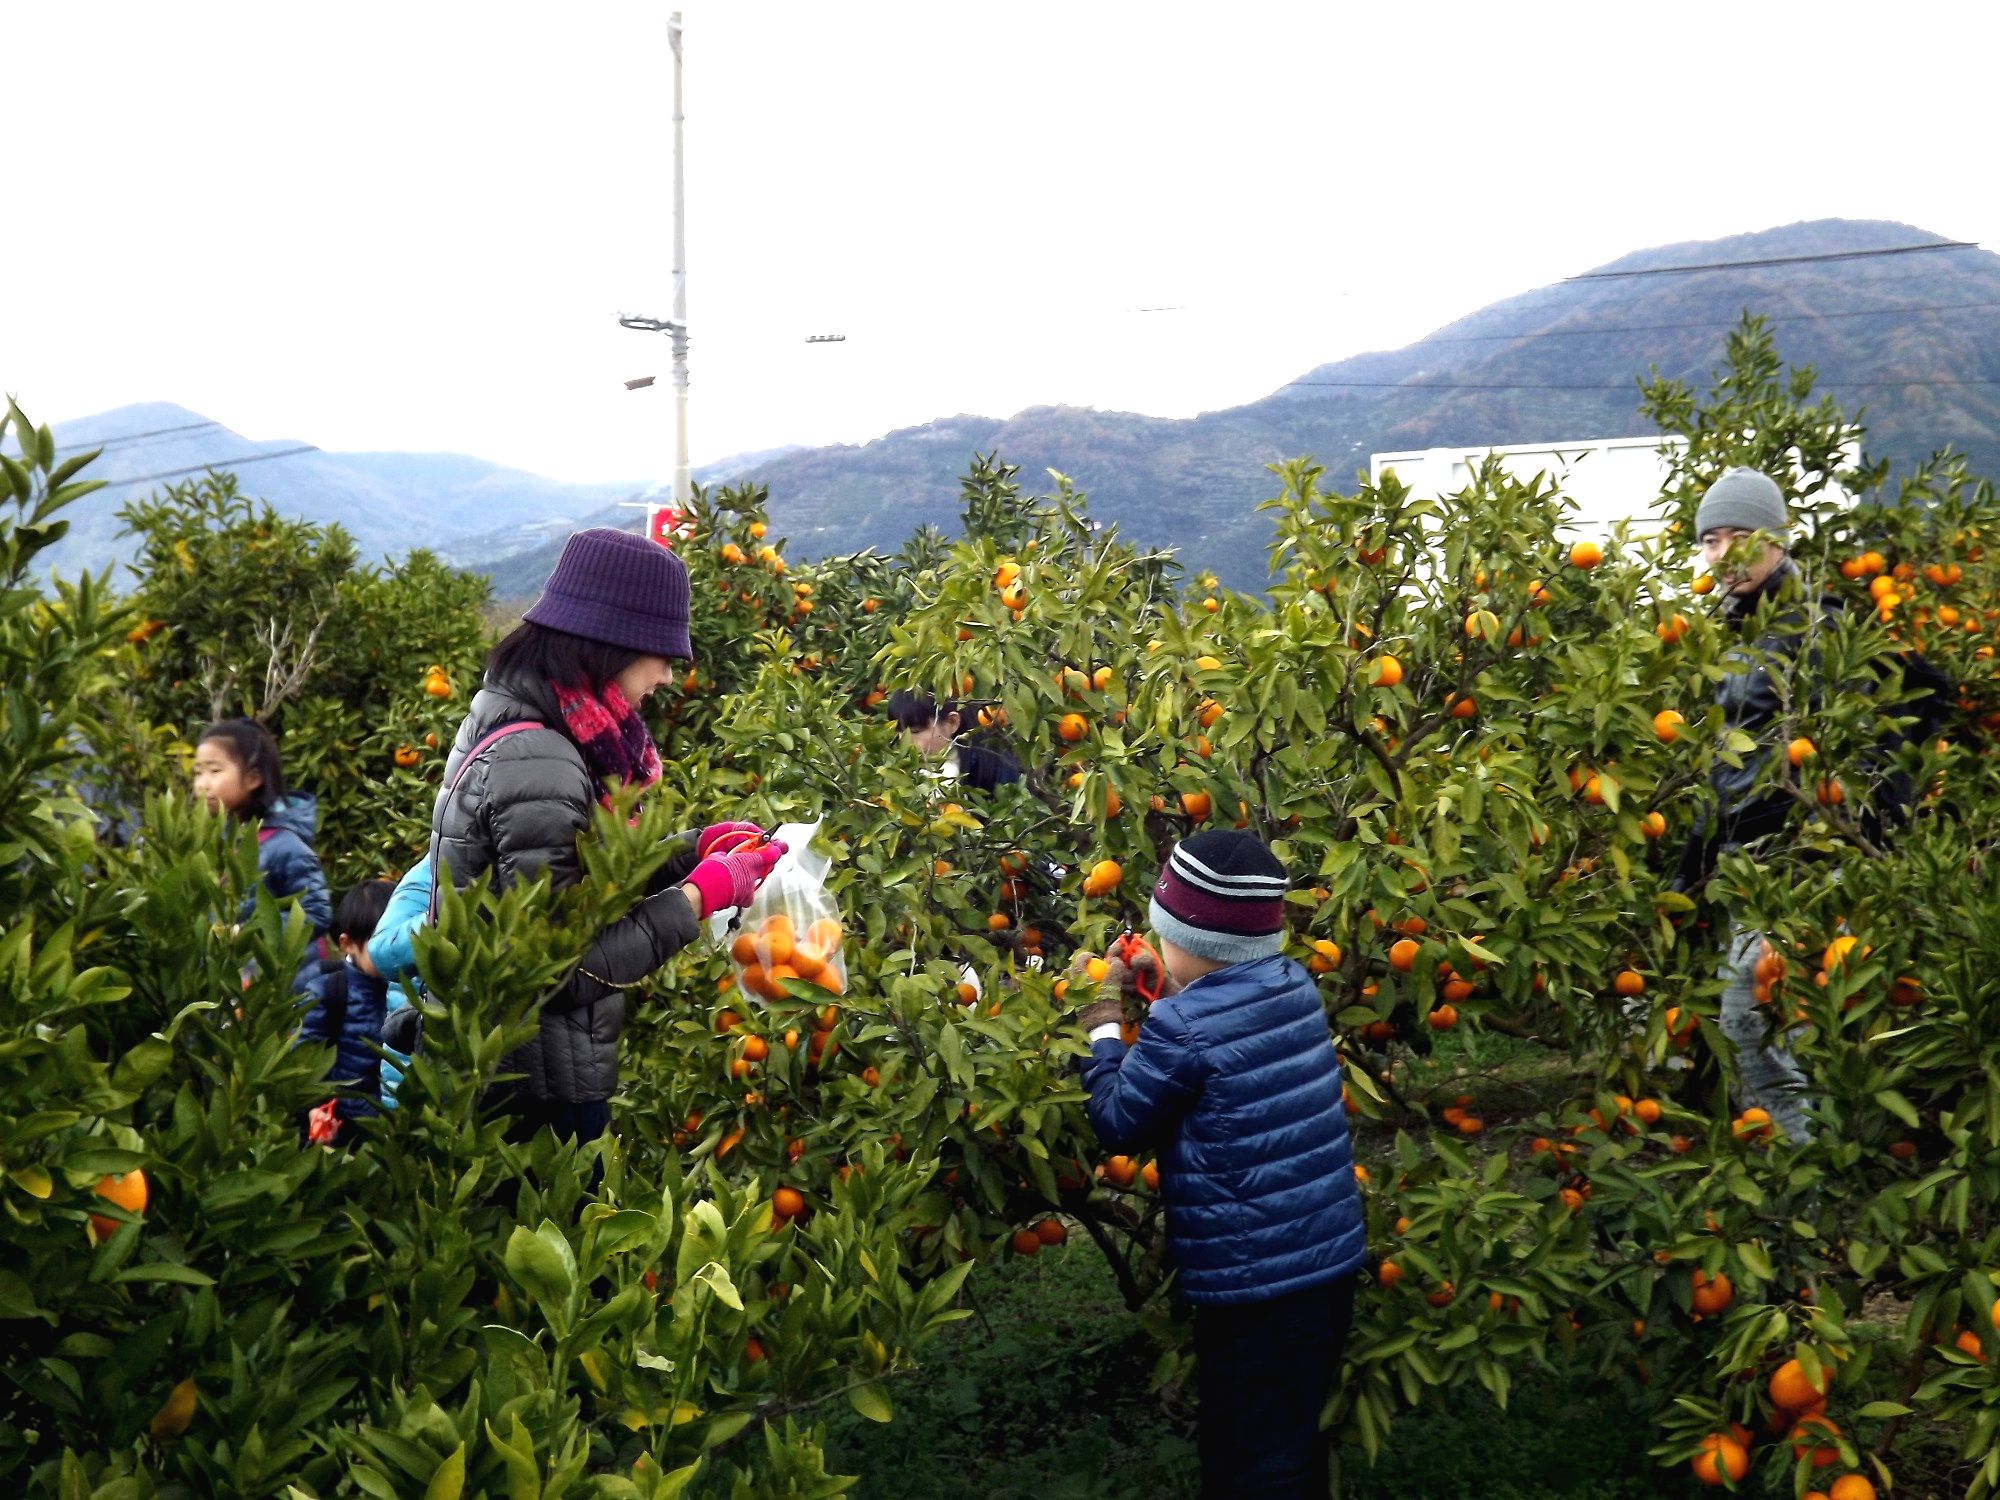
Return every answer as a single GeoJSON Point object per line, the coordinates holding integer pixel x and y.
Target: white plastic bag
{"type": "Point", "coordinates": [792, 928]}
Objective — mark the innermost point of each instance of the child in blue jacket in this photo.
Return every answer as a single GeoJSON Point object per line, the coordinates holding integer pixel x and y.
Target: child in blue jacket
{"type": "Point", "coordinates": [236, 772]}
{"type": "Point", "coordinates": [350, 1001]}
{"type": "Point", "coordinates": [393, 952]}
{"type": "Point", "coordinates": [1234, 1081]}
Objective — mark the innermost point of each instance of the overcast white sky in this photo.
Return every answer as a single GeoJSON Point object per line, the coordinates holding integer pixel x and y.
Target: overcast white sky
{"type": "Point", "coordinates": [397, 225]}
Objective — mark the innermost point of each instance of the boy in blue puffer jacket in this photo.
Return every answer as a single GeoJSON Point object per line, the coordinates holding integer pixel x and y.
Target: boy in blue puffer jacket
{"type": "Point", "coordinates": [350, 1000]}
{"type": "Point", "coordinates": [1234, 1080]}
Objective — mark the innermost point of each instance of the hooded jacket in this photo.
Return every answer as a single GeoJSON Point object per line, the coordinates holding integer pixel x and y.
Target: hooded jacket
{"type": "Point", "coordinates": [517, 811]}
{"type": "Point", "coordinates": [1752, 701]}
{"type": "Point", "coordinates": [1235, 1081]}
{"type": "Point", "coordinates": [347, 1009]}
{"type": "Point", "coordinates": [286, 861]}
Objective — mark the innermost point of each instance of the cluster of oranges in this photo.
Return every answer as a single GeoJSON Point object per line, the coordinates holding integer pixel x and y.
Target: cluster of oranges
{"type": "Point", "coordinates": [1123, 1171]}
{"type": "Point", "coordinates": [127, 1190]}
{"type": "Point", "coordinates": [1013, 591]}
{"type": "Point", "coordinates": [776, 952]}
{"type": "Point", "coordinates": [1798, 1401]}
{"type": "Point", "coordinates": [1030, 1241]}
{"type": "Point", "coordinates": [1103, 878]}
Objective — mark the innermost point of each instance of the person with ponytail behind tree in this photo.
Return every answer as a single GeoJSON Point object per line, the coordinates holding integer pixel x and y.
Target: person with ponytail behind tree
{"type": "Point", "coordinates": [935, 728]}
{"type": "Point", "coordinates": [554, 728]}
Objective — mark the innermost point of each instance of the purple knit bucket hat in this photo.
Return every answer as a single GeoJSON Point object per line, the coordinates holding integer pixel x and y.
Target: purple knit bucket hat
{"type": "Point", "coordinates": [621, 589]}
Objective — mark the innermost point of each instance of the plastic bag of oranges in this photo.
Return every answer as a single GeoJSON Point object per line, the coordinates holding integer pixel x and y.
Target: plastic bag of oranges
{"type": "Point", "coordinates": [792, 929]}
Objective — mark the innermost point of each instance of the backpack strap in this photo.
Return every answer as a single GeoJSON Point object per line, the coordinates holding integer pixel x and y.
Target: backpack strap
{"type": "Point", "coordinates": [486, 742]}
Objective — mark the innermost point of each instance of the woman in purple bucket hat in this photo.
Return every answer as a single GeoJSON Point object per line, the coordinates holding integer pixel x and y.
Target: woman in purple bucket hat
{"type": "Point", "coordinates": [552, 730]}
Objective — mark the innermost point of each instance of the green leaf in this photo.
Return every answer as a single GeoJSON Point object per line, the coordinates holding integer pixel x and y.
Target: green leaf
{"type": "Point", "coordinates": [448, 1483]}
{"type": "Point", "coordinates": [871, 1402]}
{"type": "Point", "coordinates": [621, 1230]}
{"type": "Point", "coordinates": [715, 1276]}
{"type": "Point", "coordinates": [517, 1452]}
{"type": "Point", "coordinates": [143, 1065]}
{"type": "Point", "coordinates": [17, 1298]}
{"type": "Point", "coordinates": [165, 1270]}
{"type": "Point", "coordinates": [33, 1179]}
{"type": "Point", "coordinates": [1898, 1106]}
{"type": "Point", "coordinates": [670, 1486]}
{"type": "Point", "coordinates": [1884, 1409]}
{"type": "Point", "coordinates": [544, 1273]}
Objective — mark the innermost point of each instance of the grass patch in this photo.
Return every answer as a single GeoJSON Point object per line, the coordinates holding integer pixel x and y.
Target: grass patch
{"type": "Point", "coordinates": [1049, 1398]}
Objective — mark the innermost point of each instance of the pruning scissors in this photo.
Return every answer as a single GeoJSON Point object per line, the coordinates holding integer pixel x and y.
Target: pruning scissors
{"type": "Point", "coordinates": [1146, 980]}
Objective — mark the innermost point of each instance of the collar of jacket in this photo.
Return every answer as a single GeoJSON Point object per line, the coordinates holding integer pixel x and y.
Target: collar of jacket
{"type": "Point", "coordinates": [504, 700]}
{"type": "Point", "coordinates": [1258, 973]}
{"type": "Point", "coordinates": [371, 987]}
{"type": "Point", "coordinates": [1741, 606]}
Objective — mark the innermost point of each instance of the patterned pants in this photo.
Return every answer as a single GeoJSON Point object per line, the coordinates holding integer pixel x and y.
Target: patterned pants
{"type": "Point", "coordinates": [1766, 1075]}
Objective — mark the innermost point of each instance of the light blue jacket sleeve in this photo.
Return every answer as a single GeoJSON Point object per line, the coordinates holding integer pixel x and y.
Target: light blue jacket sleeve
{"type": "Point", "coordinates": [393, 948]}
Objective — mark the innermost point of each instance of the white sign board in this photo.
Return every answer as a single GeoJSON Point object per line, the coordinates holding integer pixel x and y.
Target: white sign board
{"type": "Point", "coordinates": [1609, 479]}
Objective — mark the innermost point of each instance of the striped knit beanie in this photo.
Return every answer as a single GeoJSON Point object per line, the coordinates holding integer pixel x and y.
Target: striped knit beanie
{"type": "Point", "coordinates": [1222, 896]}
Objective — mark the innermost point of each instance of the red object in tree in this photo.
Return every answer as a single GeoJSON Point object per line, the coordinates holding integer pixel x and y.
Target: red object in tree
{"type": "Point", "coordinates": [323, 1127]}
{"type": "Point", "coordinates": [665, 522]}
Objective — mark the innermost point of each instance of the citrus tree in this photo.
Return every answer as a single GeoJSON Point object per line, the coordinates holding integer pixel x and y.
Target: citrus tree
{"type": "Point", "coordinates": [361, 672]}
{"type": "Point", "coordinates": [1477, 737]}
{"type": "Point", "coordinates": [196, 1302]}
{"type": "Point", "coordinates": [1480, 741]}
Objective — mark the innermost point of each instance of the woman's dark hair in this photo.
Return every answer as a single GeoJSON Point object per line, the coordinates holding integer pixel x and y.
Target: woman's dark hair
{"type": "Point", "coordinates": [556, 656]}
{"type": "Point", "coordinates": [911, 708]}
{"type": "Point", "coordinates": [250, 745]}
{"type": "Point", "coordinates": [362, 907]}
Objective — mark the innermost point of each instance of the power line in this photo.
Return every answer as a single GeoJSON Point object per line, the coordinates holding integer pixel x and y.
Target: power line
{"type": "Point", "coordinates": [1575, 333]}
{"type": "Point", "coordinates": [219, 463]}
{"type": "Point", "coordinates": [1776, 260]}
{"type": "Point", "coordinates": [1530, 385]}
{"type": "Point", "coordinates": [123, 438]}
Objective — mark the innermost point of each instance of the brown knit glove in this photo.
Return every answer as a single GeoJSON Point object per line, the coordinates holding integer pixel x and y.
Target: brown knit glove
{"type": "Point", "coordinates": [1116, 987]}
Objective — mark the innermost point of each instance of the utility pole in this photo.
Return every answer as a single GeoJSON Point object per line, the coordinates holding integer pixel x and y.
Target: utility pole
{"type": "Point", "coordinates": [683, 477]}
{"type": "Point", "coordinates": [675, 327]}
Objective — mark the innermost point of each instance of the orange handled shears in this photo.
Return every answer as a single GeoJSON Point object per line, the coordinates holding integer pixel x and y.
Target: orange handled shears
{"type": "Point", "coordinates": [1146, 981]}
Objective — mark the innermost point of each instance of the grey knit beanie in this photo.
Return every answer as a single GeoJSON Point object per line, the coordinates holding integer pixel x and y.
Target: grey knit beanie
{"type": "Point", "coordinates": [1745, 500]}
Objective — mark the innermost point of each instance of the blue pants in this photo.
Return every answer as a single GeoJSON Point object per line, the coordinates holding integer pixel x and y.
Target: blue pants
{"type": "Point", "coordinates": [1263, 1374]}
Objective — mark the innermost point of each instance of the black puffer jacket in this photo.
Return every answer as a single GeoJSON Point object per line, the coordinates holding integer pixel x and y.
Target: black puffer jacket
{"type": "Point", "coordinates": [1751, 700]}
{"type": "Point", "coordinates": [517, 811]}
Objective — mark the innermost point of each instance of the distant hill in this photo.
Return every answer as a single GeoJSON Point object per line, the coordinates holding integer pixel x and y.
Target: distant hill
{"type": "Point", "coordinates": [1915, 339]}
{"type": "Point", "coordinates": [391, 502]}
{"type": "Point", "coordinates": [1556, 363]}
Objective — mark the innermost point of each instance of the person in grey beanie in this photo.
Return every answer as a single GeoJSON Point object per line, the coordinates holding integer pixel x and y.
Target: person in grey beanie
{"type": "Point", "coordinates": [1742, 526]}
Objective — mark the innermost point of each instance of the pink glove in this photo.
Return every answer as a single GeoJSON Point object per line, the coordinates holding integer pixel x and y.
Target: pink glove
{"type": "Point", "coordinates": [731, 878]}
{"type": "Point", "coordinates": [723, 837]}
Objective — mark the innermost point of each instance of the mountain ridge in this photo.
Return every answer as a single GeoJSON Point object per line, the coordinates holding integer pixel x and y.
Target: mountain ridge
{"type": "Point", "coordinates": [1913, 339]}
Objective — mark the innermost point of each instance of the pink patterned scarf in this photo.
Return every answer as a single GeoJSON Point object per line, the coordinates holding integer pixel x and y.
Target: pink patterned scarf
{"type": "Point", "coordinates": [612, 736]}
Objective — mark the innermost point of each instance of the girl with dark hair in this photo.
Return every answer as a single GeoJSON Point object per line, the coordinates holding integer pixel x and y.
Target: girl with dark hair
{"type": "Point", "coordinates": [236, 772]}
{"type": "Point", "coordinates": [933, 728]}
{"type": "Point", "coordinates": [552, 731]}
